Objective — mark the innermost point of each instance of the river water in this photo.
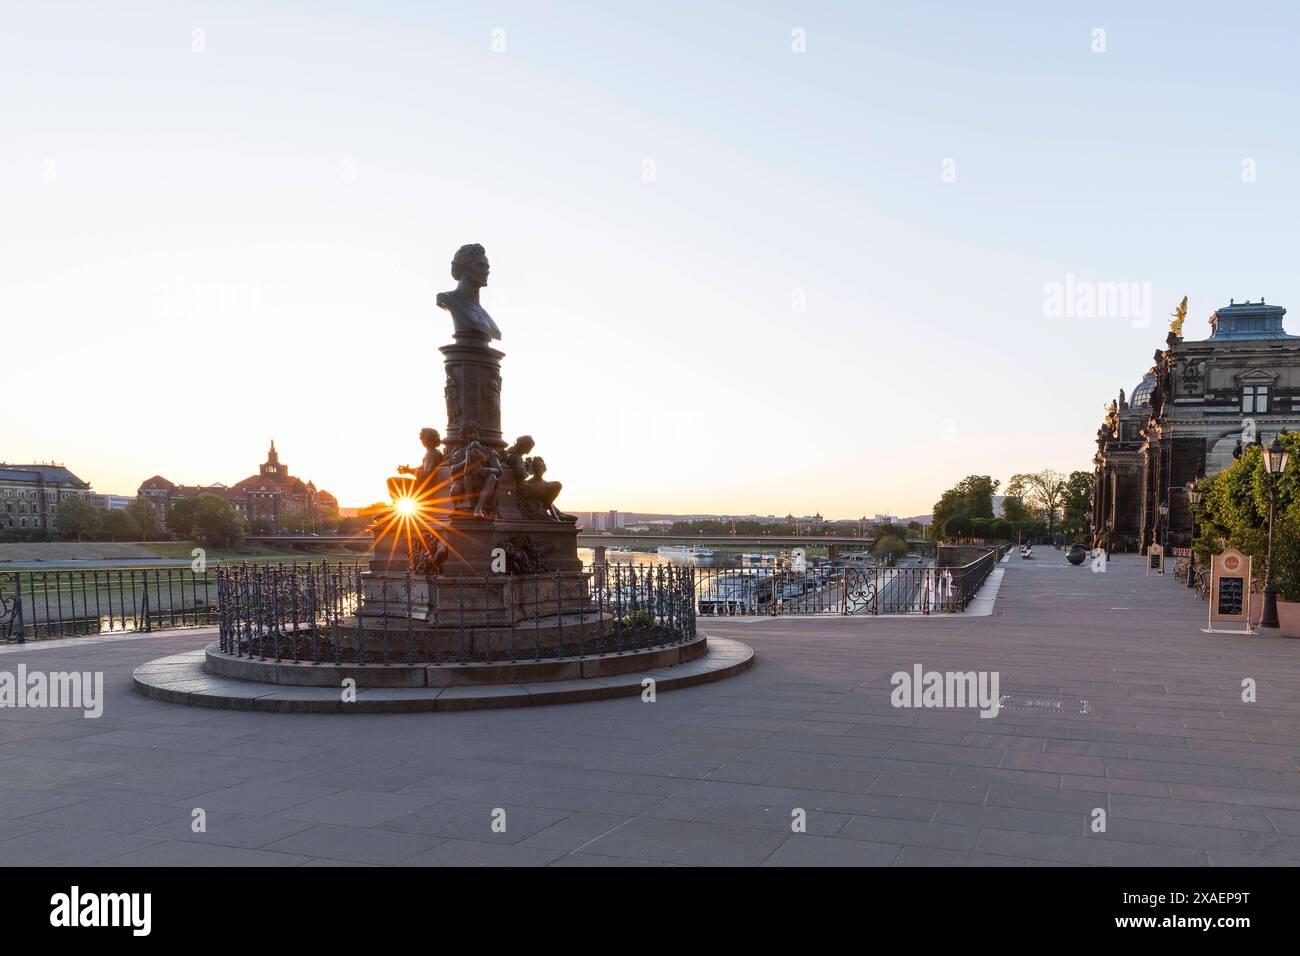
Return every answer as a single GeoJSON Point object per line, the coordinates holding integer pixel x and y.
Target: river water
{"type": "Point", "coordinates": [720, 559]}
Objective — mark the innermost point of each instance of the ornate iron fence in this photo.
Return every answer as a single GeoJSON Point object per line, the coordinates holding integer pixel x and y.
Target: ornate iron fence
{"type": "Point", "coordinates": [327, 614]}
{"type": "Point", "coordinates": [69, 602]}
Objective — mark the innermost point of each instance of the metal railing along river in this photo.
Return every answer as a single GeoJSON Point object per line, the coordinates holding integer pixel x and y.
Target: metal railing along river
{"type": "Point", "coordinates": [848, 588]}
{"type": "Point", "coordinates": [70, 602]}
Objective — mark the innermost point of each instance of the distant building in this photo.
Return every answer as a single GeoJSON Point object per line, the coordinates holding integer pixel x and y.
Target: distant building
{"type": "Point", "coordinates": [30, 494]}
{"type": "Point", "coordinates": [110, 502]}
{"type": "Point", "coordinates": [615, 521]}
{"type": "Point", "coordinates": [271, 495]}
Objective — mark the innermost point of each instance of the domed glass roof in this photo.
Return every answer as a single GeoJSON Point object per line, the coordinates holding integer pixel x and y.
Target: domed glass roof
{"type": "Point", "coordinates": [1142, 394]}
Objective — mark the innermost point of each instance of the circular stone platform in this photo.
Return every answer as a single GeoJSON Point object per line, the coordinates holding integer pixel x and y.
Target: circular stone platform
{"type": "Point", "coordinates": [286, 687]}
{"type": "Point", "coordinates": [304, 673]}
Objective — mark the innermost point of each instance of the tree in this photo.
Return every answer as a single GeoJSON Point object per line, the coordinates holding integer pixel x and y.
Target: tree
{"type": "Point", "coordinates": [972, 496]}
{"type": "Point", "coordinates": [217, 524]}
{"type": "Point", "coordinates": [981, 528]}
{"type": "Point", "coordinates": [146, 518]}
{"type": "Point", "coordinates": [979, 491]}
{"type": "Point", "coordinates": [890, 549]}
{"type": "Point", "coordinates": [1003, 530]}
{"type": "Point", "coordinates": [1043, 491]}
{"type": "Point", "coordinates": [1077, 504]}
{"type": "Point", "coordinates": [1013, 508]}
{"type": "Point", "coordinates": [180, 519]}
{"type": "Point", "coordinates": [77, 518]}
{"type": "Point", "coordinates": [1030, 529]}
{"type": "Point", "coordinates": [207, 519]}
{"type": "Point", "coordinates": [353, 525]}
{"type": "Point", "coordinates": [119, 526]}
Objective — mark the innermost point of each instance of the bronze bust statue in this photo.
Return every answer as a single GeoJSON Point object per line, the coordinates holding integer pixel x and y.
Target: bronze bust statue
{"type": "Point", "coordinates": [469, 267]}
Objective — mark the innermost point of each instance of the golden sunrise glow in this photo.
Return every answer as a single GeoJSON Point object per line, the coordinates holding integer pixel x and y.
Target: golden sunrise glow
{"type": "Point", "coordinates": [421, 516]}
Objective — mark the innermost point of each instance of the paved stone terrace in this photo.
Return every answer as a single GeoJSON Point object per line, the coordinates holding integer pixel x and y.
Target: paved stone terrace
{"type": "Point", "coordinates": [1188, 774]}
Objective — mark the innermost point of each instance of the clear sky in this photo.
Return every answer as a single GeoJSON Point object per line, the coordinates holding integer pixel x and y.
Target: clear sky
{"type": "Point", "coordinates": [731, 276]}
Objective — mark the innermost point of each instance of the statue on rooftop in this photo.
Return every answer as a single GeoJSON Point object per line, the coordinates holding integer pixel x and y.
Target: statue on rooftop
{"type": "Point", "coordinates": [1176, 326]}
{"type": "Point", "coordinates": [469, 267]}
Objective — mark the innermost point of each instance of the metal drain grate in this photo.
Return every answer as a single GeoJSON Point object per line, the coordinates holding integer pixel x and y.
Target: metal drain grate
{"type": "Point", "coordinates": [1043, 704]}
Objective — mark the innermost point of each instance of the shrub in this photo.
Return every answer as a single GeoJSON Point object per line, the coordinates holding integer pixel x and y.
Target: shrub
{"type": "Point", "coordinates": [1234, 513]}
{"type": "Point", "coordinates": [958, 526]}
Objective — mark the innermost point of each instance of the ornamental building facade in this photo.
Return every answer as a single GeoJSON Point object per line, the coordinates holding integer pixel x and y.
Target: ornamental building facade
{"type": "Point", "coordinates": [1191, 414]}
{"type": "Point", "coordinates": [30, 494]}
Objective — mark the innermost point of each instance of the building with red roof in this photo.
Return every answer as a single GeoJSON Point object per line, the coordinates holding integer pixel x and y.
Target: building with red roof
{"type": "Point", "coordinates": [271, 495]}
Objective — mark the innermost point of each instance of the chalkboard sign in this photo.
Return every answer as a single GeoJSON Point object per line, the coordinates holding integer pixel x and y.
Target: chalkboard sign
{"type": "Point", "coordinates": [1231, 596]}
{"type": "Point", "coordinates": [1155, 560]}
{"type": "Point", "coordinates": [1230, 590]}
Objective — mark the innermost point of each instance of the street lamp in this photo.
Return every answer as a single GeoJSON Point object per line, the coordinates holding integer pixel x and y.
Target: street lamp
{"type": "Point", "coordinates": [1164, 532]}
{"type": "Point", "coordinates": [1193, 500]}
{"type": "Point", "coordinates": [1275, 459]}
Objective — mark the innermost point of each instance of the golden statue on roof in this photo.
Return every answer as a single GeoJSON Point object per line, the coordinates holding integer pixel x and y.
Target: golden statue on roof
{"type": "Point", "coordinates": [1176, 326]}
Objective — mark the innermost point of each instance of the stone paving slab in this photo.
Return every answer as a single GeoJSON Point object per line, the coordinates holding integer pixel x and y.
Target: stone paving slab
{"type": "Point", "coordinates": [1187, 773]}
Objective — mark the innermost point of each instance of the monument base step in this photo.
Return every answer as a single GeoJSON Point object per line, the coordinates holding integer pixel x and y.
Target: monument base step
{"type": "Point", "coordinates": [181, 679]}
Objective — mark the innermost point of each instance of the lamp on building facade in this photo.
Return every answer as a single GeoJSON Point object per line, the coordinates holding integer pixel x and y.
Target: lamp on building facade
{"type": "Point", "coordinates": [1275, 460]}
{"type": "Point", "coordinates": [1193, 502]}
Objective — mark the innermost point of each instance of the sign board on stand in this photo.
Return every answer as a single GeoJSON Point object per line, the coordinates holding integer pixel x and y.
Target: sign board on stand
{"type": "Point", "coordinates": [1155, 560]}
{"type": "Point", "coordinates": [1230, 592]}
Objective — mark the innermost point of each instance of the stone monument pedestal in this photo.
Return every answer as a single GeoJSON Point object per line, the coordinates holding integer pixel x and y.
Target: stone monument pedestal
{"type": "Point", "coordinates": [542, 606]}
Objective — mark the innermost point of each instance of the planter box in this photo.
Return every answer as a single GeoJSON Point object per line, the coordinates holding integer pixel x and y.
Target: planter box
{"type": "Point", "coordinates": [1288, 615]}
